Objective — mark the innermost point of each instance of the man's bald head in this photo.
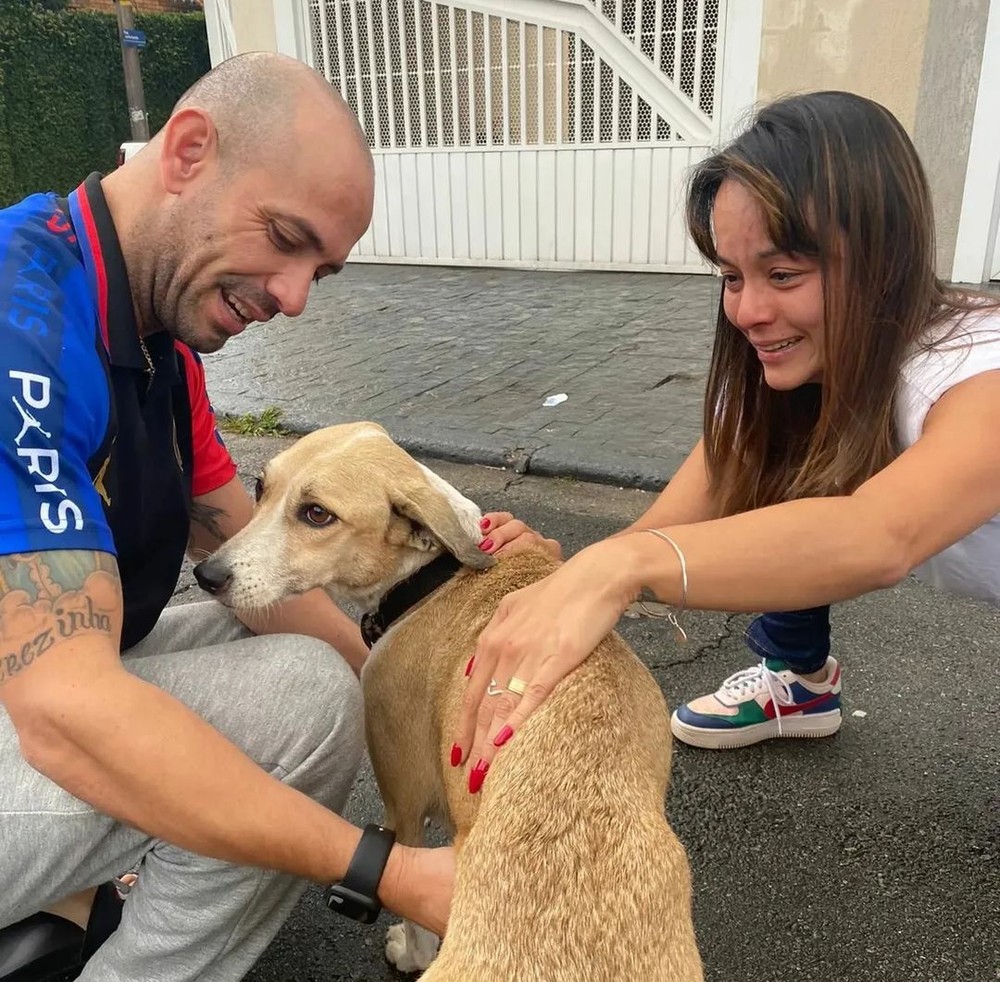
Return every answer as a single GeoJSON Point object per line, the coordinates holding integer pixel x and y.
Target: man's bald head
{"type": "Point", "coordinates": [257, 99]}
{"type": "Point", "coordinates": [260, 184]}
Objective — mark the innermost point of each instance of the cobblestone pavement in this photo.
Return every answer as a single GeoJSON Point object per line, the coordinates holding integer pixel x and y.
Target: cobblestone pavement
{"type": "Point", "coordinates": [456, 363]}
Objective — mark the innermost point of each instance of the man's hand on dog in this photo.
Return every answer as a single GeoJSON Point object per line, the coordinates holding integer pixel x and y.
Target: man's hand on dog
{"type": "Point", "coordinates": [418, 883]}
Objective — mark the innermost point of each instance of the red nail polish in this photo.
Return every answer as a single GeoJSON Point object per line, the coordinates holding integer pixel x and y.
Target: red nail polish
{"type": "Point", "coordinates": [484, 524]}
{"type": "Point", "coordinates": [503, 736]}
{"type": "Point", "coordinates": [477, 776]}
{"type": "Point", "coordinates": [486, 545]}
{"type": "Point", "coordinates": [456, 755]}
{"type": "Point", "coordinates": [468, 668]}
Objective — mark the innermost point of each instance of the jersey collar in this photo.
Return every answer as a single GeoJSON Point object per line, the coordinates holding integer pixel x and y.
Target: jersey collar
{"type": "Point", "coordinates": [106, 273]}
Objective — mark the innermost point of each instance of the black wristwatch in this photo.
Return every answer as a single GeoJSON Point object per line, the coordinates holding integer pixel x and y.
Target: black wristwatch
{"type": "Point", "coordinates": [356, 895]}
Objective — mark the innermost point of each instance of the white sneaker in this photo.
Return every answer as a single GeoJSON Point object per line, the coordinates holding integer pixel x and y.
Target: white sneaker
{"type": "Point", "coordinates": [760, 703]}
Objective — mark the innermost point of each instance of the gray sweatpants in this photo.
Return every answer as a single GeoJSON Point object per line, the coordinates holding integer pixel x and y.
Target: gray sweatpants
{"type": "Point", "coordinates": [290, 702]}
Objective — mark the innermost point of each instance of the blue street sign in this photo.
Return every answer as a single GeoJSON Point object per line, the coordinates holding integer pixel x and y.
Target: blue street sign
{"type": "Point", "coordinates": [133, 39]}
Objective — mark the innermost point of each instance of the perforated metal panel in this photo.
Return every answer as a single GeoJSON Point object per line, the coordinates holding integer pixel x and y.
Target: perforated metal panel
{"type": "Point", "coordinates": [421, 74]}
{"type": "Point", "coordinates": [539, 132]}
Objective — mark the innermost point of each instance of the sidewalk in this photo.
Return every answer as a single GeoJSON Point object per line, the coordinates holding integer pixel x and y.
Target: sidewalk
{"type": "Point", "coordinates": [456, 364]}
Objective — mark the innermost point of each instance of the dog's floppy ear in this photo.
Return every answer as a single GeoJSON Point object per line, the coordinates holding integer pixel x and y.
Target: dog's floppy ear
{"type": "Point", "coordinates": [432, 513]}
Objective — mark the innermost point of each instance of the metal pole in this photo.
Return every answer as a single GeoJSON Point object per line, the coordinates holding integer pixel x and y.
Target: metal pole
{"type": "Point", "coordinates": [133, 77]}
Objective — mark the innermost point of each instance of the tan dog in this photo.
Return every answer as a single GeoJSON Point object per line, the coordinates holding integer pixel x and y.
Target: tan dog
{"type": "Point", "coordinates": [566, 867]}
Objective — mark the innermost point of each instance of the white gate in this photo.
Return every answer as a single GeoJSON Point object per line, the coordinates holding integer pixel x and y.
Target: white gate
{"type": "Point", "coordinates": [977, 248]}
{"type": "Point", "coordinates": [538, 133]}
{"type": "Point", "coordinates": [219, 27]}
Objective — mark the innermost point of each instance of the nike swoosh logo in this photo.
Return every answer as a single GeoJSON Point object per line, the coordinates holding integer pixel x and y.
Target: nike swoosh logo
{"type": "Point", "coordinates": [769, 709]}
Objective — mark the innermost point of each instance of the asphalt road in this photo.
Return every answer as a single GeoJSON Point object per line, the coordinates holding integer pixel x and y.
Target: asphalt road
{"type": "Point", "coordinates": [870, 856]}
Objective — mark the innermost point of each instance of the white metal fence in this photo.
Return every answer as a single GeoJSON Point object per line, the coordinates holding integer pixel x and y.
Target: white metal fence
{"type": "Point", "coordinates": [530, 132]}
{"type": "Point", "coordinates": [421, 74]}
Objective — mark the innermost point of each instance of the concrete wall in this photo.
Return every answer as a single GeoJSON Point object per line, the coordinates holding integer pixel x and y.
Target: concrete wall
{"type": "Point", "coordinates": [946, 106]}
{"type": "Point", "coordinates": [253, 22]}
{"type": "Point", "coordinates": [918, 58]}
{"type": "Point", "coordinates": [872, 47]}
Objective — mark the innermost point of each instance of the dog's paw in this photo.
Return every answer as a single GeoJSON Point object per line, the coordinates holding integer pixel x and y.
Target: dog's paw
{"type": "Point", "coordinates": [409, 947]}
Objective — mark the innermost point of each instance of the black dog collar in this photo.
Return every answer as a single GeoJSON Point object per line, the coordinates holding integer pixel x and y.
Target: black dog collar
{"type": "Point", "coordinates": [407, 594]}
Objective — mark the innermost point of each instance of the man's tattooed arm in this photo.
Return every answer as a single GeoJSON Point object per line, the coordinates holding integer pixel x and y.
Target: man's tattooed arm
{"type": "Point", "coordinates": [208, 517]}
{"type": "Point", "coordinates": [50, 597]}
{"type": "Point", "coordinates": [218, 516]}
{"type": "Point", "coordinates": [207, 532]}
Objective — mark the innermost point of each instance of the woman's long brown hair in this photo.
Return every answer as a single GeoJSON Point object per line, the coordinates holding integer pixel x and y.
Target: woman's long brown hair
{"type": "Point", "coordinates": [838, 180]}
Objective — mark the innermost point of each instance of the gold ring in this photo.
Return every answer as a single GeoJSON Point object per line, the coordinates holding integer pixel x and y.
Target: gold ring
{"type": "Point", "coordinates": [516, 685]}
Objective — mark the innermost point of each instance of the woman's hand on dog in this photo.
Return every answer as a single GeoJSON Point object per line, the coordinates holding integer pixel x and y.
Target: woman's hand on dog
{"type": "Point", "coordinates": [504, 534]}
{"type": "Point", "coordinates": [418, 883]}
{"type": "Point", "coordinates": [538, 634]}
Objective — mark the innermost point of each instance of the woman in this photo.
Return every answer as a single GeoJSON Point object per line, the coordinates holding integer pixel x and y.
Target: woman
{"type": "Point", "coordinates": [849, 437]}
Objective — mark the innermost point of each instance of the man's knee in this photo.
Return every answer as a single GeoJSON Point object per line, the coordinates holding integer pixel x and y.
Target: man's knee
{"type": "Point", "coordinates": [319, 711]}
{"type": "Point", "coordinates": [289, 701]}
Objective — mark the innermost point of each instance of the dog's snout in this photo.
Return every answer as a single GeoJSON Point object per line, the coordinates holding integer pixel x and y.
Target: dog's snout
{"type": "Point", "coordinates": [213, 576]}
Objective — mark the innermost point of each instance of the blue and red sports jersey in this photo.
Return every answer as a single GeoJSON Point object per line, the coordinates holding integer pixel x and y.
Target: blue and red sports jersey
{"type": "Point", "coordinates": [97, 452]}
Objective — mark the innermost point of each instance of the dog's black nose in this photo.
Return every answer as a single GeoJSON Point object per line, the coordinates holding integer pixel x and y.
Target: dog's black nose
{"type": "Point", "coordinates": [212, 576]}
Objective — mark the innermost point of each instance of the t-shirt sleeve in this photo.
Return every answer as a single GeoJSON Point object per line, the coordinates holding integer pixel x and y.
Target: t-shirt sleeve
{"type": "Point", "coordinates": [213, 466]}
{"type": "Point", "coordinates": [974, 348]}
{"type": "Point", "coordinates": [54, 408]}
{"type": "Point", "coordinates": [970, 348]}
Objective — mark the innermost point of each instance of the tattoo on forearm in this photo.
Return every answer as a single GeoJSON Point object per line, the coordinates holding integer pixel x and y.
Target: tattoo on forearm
{"type": "Point", "coordinates": [207, 516]}
{"type": "Point", "coordinates": [48, 597]}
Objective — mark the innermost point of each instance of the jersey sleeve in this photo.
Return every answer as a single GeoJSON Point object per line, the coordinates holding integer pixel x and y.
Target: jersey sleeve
{"type": "Point", "coordinates": [213, 466]}
{"type": "Point", "coordinates": [54, 404]}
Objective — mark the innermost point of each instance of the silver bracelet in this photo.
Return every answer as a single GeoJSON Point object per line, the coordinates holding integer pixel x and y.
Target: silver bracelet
{"type": "Point", "coordinates": [672, 617]}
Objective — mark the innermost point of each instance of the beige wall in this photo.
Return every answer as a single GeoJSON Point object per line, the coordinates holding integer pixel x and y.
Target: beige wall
{"type": "Point", "coordinates": [872, 47]}
{"type": "Point", "coordinates": [919, 58]}
{"type": "Point", "coordinates": [253, 22]}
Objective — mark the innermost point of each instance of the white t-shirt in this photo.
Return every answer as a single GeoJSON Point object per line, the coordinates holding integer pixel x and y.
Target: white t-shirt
{"type": "Point", "coordinates": [971, 567]}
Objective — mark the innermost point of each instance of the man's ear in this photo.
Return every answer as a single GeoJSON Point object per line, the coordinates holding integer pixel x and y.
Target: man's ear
{"type": "Point", "coordinates": [190, 148]}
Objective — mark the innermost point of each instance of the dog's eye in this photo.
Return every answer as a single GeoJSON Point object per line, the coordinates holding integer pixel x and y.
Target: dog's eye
{"type": "Point", "coordinates": [318, 516]}
{"type": "Point", "coordinates": [258, 489]}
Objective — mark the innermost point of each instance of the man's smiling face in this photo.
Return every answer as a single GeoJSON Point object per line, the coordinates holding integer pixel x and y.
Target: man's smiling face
{"type": "Point", "coordinates": [247, 241]}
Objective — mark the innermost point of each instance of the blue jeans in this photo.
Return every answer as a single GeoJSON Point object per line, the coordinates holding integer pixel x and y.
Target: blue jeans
{"type": "Point", "coordinates": [800, 638]}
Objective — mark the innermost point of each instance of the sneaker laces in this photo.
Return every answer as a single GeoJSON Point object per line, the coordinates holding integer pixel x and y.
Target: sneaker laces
{"type": "Point", "coordinates": [750, 681]}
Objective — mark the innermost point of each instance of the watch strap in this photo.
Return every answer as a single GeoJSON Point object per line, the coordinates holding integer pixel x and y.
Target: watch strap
{"type": "Point", "coordinates": [368, 862]}
{"type": "Point", "coordinates": [360, 882]}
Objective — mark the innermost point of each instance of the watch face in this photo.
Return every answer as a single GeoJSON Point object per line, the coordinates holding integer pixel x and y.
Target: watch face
{"type": "Point", "coordinates": [351, 904]}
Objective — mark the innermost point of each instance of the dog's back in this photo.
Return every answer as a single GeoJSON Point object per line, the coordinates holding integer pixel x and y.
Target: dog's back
{"type": "Point", "coordinates": [567, 868]}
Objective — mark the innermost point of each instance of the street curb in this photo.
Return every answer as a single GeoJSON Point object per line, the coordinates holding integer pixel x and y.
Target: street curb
{"type": "Point", "coordinates": [638, 472]}
{"type": "Point", "coordinates": [508, 451]}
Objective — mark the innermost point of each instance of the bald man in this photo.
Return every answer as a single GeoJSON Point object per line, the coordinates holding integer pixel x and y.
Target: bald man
{"type": "Point", "coordinates": [209, 753]}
